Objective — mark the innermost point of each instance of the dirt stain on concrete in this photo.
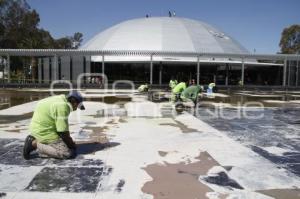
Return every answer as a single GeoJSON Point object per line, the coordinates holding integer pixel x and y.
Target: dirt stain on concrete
{"type": "Point", "coordinates": [15, 130]}
{"type": "Point", "coordinates": [112, 122]}
{"type": "Point", "coordinates": [184, 128]}
{"type": "Point", "coordinates": [177, 181]}
{"type": "Point", "coordinates": [120, 185]}
{"type": "Point", "coordinates": [122, 120]}
{"type": "Point", "coordinates": [162, 153]}
{"type": "Point", "coordinates": [110, 99]}
{"type": "Point", "coordinates": [282, 193]}
{"type": "Point", "coordinates": [96, 136]}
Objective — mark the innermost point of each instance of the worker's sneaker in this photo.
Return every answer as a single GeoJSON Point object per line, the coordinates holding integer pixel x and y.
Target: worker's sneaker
{"type": "Point", "coordinates": [28, 148]}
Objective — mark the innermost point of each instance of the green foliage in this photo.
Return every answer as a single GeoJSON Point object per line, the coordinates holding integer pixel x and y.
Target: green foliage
{"type": "Point", "coordinates": [64, 43]}
{"type": "Point", "coordinates": [290, 40]}
{"type": "Point", "coordinates": [69, 42]}
{"type": "Point", "coordinates": [19, 29]}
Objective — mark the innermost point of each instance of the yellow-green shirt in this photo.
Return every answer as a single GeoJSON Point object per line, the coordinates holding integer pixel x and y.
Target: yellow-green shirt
{"type": "Point", "coordinates": [179, 88]}
{"type": "Point", "coordinates": [50, 116]}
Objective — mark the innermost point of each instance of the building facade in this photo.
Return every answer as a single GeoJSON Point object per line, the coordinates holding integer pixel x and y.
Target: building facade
{"type": "Point", "coordinates": [152, 50]}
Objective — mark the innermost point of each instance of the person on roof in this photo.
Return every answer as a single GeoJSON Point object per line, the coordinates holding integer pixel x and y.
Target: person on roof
{"type": "Point", "coordinates": [50, 128]}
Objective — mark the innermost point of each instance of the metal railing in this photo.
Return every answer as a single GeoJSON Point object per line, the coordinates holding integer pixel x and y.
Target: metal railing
{"type": "Point", "coordinates": [200, 57]}
{"type": "Point", "coordinates": [72, 52]}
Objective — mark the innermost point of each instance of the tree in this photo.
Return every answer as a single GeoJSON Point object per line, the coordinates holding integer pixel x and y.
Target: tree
{"type": "Point", "coordinates": [13, 15]}
{"type": "Point", "coordinates": [290, 40]}
{"type": "Point", "coordinates": [77, 39]}
{"type": "Point", "coordinates": [63, 43]}
{"type": "Point", "coordinates": [19, 28]}
{"type": "Point", "coordinates": [69, 42]}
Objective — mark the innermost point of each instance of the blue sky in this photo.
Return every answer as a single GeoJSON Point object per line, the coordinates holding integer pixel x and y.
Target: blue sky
{"type": "Point", "coordinates": [256, 24]}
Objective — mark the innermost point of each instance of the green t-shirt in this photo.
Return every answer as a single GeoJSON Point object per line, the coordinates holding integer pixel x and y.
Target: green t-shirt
{"type": "Point", "coordinates": [50, 116]}
{"type": "Point", "coordinates": [179, 88]}
{"type": "Point", "coordinates": [191, 92]}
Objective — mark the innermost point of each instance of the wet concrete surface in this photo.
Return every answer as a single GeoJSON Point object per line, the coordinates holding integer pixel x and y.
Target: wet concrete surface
{"type": "Point", "coordinates": [11, 154]}
{"type": "Point", "coordinates": [266, 132]}
{"type": "Point", "coordinates": [288, 160]}
{"type": "Point", "coordinates": [222, 179]}
{"type": "Point", "coordinates": [111, 99]}
{"type": "Point", "coordinates": [72, 175]}
{"type": "Point", "coordinates": [9, 98]}
{"type": "Point", "coordinates": [66, 179]}
{"type": "Point", "coordinates": [183, 128]}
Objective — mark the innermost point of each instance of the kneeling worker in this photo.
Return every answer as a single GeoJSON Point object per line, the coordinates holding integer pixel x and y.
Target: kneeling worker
{"type": "Point", "coordinates": [50, 128]}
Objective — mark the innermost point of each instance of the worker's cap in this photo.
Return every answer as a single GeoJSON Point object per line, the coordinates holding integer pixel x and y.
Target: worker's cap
{"type": "Point", "coordinates": [78, 98]}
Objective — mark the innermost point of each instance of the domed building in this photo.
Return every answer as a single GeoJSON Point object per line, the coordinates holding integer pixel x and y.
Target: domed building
{"type": "Point", "coordinates": [170, 34]}
{"type": "Point", "coordinates": [155, 49]}
{"type": "Point", "coordinates": [164, 34]}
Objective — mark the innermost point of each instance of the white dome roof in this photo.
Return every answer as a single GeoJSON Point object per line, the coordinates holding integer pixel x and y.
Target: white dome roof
{"type": "Point", "coordinates": [164, 34]}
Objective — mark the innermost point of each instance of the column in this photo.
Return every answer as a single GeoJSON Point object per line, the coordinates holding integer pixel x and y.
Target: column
{"type": "Point", "coordinates": [160, 73]}
{"type": "Point", "coordinates": [77, 67]}
{"type": "Point", "coordinates": [243, 71]}
{"type": "Point", "coordinates": [39, 66]}
{"type": "Point", "coordinates": [289, 72]}
{"type": "Point", "coordinates": [198, 70]}
{"type": "Point", "coordinates": [151, 69]}
{"type": "Point", "coordinates": [71, 69]}
{"type": "Point", "coordinates": [227, 74]}
{"type": "Point", "coordinates": [3, 65]}
{"type": "Point", "coordinates": [65, 67]}
{"type": "Point", "coordinates": [297, 71]}
{"type": "Point", "coordinates": [55, 68]}
{"type": "Point", "coordinates": [84, 69]}
{"type": "Point", "coordinates": [88, 63]}
{"type": "Point", "coordinates": [46, 70]}
{"type": "Point", "coordinates": [103, 65]}
{"type": "Point", "coordinates": [284, 73]}
{"type": "Point", "coordinates": [8, 68]}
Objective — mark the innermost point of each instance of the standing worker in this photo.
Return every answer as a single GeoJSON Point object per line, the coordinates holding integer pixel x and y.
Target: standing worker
{"type": "Point", "coordinates": [50, 128]}
{"type": "Point", "coordinates": [191, 93]}
{"type": "Point", "coordinates": [211, 88]}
